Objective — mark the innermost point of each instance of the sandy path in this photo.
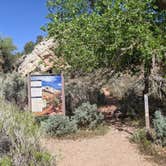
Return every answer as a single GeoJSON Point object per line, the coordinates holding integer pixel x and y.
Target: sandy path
{"type": "Point", "coordinates": [112, 149]}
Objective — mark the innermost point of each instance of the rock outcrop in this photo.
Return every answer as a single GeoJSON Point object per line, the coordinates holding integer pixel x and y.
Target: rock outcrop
{"type": "Point", "coordinates": [41, 59]}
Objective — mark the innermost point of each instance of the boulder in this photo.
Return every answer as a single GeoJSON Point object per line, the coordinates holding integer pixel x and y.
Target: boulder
{"type": "Point", "coordinates": [41, 59]}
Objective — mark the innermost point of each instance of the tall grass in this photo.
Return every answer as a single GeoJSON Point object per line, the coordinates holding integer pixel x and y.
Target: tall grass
{"type": "Point", "coordinates": [24, 137]}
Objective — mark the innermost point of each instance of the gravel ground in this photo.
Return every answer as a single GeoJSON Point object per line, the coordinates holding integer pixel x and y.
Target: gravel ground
{"type": "Point", "coordinates": [112, 149]}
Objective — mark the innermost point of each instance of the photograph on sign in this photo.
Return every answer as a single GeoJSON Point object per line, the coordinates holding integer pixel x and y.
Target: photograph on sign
{"type": "Point", "coordinates": [46, 94]}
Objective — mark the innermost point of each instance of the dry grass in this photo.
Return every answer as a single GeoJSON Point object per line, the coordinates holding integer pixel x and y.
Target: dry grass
{"type": "Point", "coordinates": [153, 152]}
{"type": "Point", "coordinates": [99, 131]}
{"type": "Point", "coordinates": [156, 154]}
{"type": "Point", "coordinates": [23, 135]}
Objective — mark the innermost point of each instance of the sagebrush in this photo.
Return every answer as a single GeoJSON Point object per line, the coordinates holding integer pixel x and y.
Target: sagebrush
{"type": "Point", "coordinates": [58, 125]}
{"type": "Point", "coordinates": [78, 92]}
{"type": "Point", "coordinates": [87, 116]}
{"type": "Point", "coordinates": [13, 88]}
{"type": "Point", "coordinates": [160, 128]}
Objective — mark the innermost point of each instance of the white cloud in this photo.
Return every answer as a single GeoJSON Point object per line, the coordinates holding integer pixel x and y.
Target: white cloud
{"type": "Point", "coordinates": [59, 84]}
{"type": "Point", "coordinates": [45, 78]}
{"type": "Point", "coordinates": [48, 78]}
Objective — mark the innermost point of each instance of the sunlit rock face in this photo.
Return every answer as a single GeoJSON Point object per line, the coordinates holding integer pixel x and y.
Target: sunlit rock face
{"type": "Point", "coordinates": [41, 59]}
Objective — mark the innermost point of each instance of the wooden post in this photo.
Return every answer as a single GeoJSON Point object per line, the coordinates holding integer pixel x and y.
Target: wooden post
{"type": "Point", "coordinates": [147, 121]}
{"type": "Point", "coordinates": [29, 92]}
{"type": "Point", "coordinates": [63, 95]}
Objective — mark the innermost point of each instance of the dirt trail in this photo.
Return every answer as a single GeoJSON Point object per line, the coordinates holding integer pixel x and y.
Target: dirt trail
{"type": "Point", "coordinates": [112, 149]}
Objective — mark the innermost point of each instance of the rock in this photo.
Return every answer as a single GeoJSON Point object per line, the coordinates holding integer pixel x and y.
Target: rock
{"type": "Point", "coordinates": [41, 59]}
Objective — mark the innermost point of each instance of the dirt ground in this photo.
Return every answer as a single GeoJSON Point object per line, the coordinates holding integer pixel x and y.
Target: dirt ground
{"type": "Point", "coordinates": [112, 149]}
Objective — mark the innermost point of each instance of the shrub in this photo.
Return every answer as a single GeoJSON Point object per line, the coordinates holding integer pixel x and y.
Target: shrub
{"type": "Point", "coordinates": [80, 91]}
{"type": "Point", "coordinates": [58, 125]}
{"type": "Point", "coordinates": [87, 116]}
{"type": "Point", "coordinates": [160, 128]}
{"type": "Point", "coordinates": [40, 119]}
{"type": "Point", "coordinates": [23, 134]}
{"type": "Point", "coordinates": [13, 89]}
{"type": "Point", "coordinates": [5, 161]}
{"type": "Point", "coordinates": [145, 145]}
{"type": "Point", "coordinates": [139, 136]}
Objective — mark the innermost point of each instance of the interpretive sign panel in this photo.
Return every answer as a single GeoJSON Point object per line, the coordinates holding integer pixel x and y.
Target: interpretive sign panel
{"type": "Point", "coordinates": [46, 94]}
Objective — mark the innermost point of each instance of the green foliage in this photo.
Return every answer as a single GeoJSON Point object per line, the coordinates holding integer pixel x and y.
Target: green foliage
{"type": "Point", "coordinates": [160, 128]}
{"type": "Point", "coordinates": [28, 48]}
{"type": "Point", "coordinates": [24, 137]}
{"type": "Point", "coordinates": [87, 116]}
{"type": "Point", "coordinates": [39, 119]}
{"type": "Point", "coordinates": [42, 157]}
{"type": "Point", "coordinates": [6, 54]}
{"type": "Point", "coordinates": [139, 136]}
{"type": "Point", "coordinates": [145, 145]}
{"type": "Point", "coordinates": [39, 39]}
{"type": "Point", "coordinates": [66, 10]}
{"type": "Point", "coordinates": [5, 161]}
{"type": "Point", "coordinates": [58, 125]}
{"type": "Point", "coordinates": [120, 34]}
{"type": "Point", "coordinates": [13, 89]}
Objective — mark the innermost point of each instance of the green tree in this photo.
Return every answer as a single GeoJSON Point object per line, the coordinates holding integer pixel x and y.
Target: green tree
{"type": "Point", "coordinates": [118, 34]}
{"type": "Point", "coordinates": [29, 46]}
{"type": "Point", "coordinates": [6, 54]}
{"type": "Point", "coordinates": [66, 10]}
{"type": "Point", "coordinates": [39, 39]}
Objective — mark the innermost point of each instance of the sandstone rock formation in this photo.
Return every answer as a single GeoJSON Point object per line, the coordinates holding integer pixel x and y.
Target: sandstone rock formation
{"type": "Point", "coordinates": [41, 59]}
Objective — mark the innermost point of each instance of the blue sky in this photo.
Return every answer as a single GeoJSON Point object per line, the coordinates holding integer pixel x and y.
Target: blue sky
{"type": "Point", "coordinates": [21, 20]}
{"type": "Point", "coordinates": [52, 81]}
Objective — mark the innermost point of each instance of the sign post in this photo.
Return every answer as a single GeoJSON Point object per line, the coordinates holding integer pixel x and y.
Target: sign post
{"type": "Point", "coordinates": [147, 121]}
{"type": "Point", "coordinates": [29, 91]}
{"type": "Point", "coordinates": [63, 95]}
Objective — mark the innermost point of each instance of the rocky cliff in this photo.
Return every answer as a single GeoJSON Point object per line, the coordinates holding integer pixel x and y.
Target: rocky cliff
{"type": "Point", "coordinates": [41, 59]}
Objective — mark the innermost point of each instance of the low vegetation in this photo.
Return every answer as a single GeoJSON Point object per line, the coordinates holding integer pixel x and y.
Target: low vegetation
{"type": "Point", "coordinates": [58, 125]}
{"type": "Point", "coordinates": [86, 117]}
{"type": "Point", "coordinates": [145, 145]}
{"type": "Point", "coordinates": [122, 36]}
{"type": "Point", "coordinates": [153, 142]}
{"type": "Point", "coordinates": [13, 88]}
{"type": "Point", "coordinates": [160, 128]}
{"type": "Point", "coordinates": [20, 138]}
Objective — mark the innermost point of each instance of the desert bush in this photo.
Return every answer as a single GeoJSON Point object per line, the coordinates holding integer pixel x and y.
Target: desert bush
{"type": "Point", "coordinates": [79, 91]}
{"type": "Point", "coordinates": [23, 135]}
{"type": "Point", "coordinates": [40, 119]}
{"type": "Point", "coordinates": [139, 136]}
{"type": "Point", "coordinates": [58, 125]}
{"type": "Point", "coordinates": [145, 145]}
{"type": "Point", "coordinates": [160, 128]}
{"type": "Point", "coordinates": [87, 116]}
{"type": "Point", "coordinates": [13, 89]}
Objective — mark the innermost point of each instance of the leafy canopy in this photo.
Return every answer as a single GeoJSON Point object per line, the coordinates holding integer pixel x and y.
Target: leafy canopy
{"type": "Point", "coordinates": [115, 34]}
